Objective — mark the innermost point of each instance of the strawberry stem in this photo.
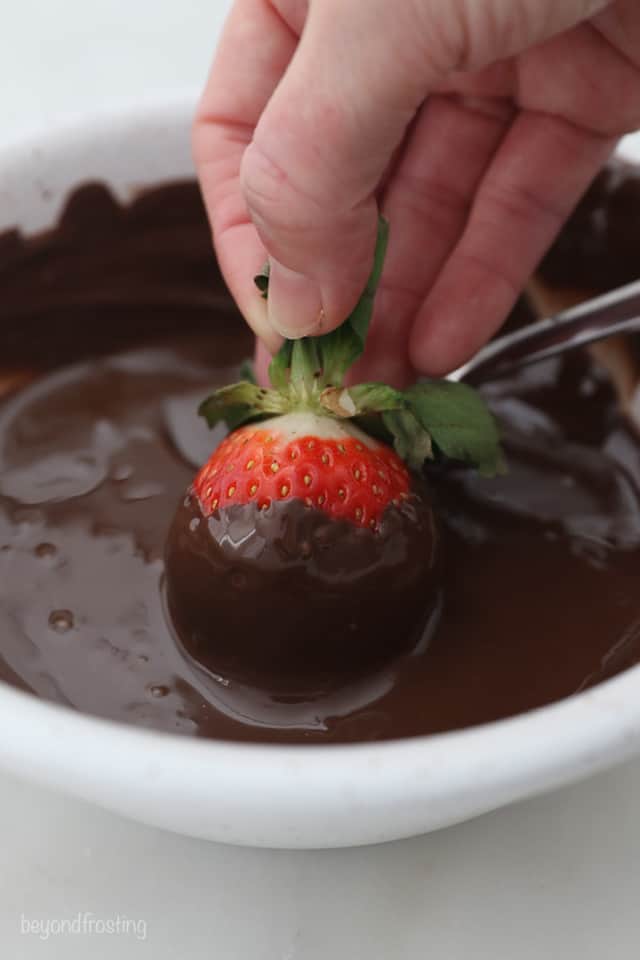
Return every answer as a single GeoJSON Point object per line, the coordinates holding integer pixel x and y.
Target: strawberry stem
{"type": "Point", "coordinates": [304, 371]}
{"type": "Point", "coordinates": [340, 349]}
{"type": "Point", "coordinates": [326, 359]}
{"type": "Point", "coordinates": [430, 419]}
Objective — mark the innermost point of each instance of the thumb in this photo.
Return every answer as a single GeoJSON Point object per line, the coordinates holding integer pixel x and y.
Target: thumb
{"type": "Point", "coordinates": [328, 133]}
{"type": "Point", "coordinates": [319, 152]}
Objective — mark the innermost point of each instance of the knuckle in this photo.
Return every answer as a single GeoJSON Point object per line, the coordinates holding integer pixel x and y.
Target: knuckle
{"type": "Point", "coordinates": [519, 205]}
{"type": "Point", "coordinates": [262, 180]}
{"type": "Point", "coordinates": [468, 34]}
{"type": "Point", "coordinates": [270, 192]}
{"type": "Point", "coordinates": [440, 203]}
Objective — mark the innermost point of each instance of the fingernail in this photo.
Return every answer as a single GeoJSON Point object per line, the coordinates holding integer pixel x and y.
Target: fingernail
{"type": "Point", "coordinates": [294, 304]}
{"type": "Point", "coordinates": [262, 359]}
{"type": "Point", "coordinates": [258, 320]}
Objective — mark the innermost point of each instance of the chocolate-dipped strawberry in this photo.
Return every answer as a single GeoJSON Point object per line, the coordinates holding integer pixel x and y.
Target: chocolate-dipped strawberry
{"type": "Point", "coordinates": [306, 549]}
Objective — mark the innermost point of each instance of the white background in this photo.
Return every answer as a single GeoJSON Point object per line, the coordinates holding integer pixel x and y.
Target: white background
{"type": "Point", "coordinates": [557, 877]}
{"type": "Point", "coordinates": [59, 58]}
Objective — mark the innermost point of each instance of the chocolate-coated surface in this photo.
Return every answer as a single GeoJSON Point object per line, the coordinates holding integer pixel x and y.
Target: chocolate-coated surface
{"type": "Point", "coordinates": [289, 594]}
{"type": "Point", "coordinates": [540, 568]}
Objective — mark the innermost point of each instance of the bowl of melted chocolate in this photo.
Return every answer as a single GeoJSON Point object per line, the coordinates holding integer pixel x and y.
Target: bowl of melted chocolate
{"type": "Point", "coordinates": [114, 324]}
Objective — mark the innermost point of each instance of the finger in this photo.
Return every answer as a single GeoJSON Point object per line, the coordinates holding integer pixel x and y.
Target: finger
{"type": "Point", "coordinates": [558, 76]}
{"type": "Point", "coordinates": [534, 181]}
{"type": "Point", "coordinates": [482, 32]}
{"type": "Point", "coordinates": [256, 45]}
{"type": "Point", "coordinates": [320, 150]}
{"type": "Point", "coordinates": [427, 203]}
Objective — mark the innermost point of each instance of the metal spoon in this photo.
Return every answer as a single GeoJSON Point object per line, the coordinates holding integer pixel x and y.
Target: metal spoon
{"type": "Point", "coordinates": [612, 313]}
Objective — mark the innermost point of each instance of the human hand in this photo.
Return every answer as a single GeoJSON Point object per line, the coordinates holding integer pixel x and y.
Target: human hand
{"type": "Point", "coordinates": [474, 125]}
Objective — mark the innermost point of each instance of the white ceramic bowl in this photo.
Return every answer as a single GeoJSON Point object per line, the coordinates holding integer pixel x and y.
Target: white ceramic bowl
{"type": "Point", "coordinates": [297, 796]}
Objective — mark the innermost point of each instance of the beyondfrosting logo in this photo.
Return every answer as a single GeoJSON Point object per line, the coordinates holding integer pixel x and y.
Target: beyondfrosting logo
{"type": "Point", "coordinates": [83, 924]}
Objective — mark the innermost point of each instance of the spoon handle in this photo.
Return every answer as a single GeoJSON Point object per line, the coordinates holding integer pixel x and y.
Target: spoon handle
{"type": "Point", "coordinates": [603, 316]}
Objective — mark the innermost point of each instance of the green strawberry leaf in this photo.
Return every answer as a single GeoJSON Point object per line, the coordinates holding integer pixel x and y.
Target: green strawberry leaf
{"type": "Point", "coordinates": [234, 417]}
{"type": "Point", "coordinates": [376, 398]}
{"type": "Point", "coordinates": [411, 441]}
{"type": "Point", "coordinates": [361, 399]}
{"type": "Point", "coordinates": [238, 403]}
{"type": "Point", "coordinates": [373, 424]}
{"type": "Point", "coordinates": [459, 422]}
{"type": "Point", "coordinates": [247, 372]}
{"type": "Point", "coordinates": [340, 349]}
{"type": "Point", "coordinates": [280, 365]}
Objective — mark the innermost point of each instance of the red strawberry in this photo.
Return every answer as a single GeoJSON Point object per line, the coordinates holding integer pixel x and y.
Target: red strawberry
{"type": "Point", "coordinates": [300, 559]}
{"type": "Point", "coordinates": [304, 552]}
{"type": "Point", "coordinates": [300, 456]}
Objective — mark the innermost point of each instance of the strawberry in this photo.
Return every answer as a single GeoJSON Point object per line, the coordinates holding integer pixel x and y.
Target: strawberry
{"type": "Point", "coordinates": [306, 548]}
{"type": "Point", "coordinates": [333, 467]}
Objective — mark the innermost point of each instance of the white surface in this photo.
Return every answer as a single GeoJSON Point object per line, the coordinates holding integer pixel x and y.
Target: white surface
{"type": "Point", "coordinates": [551, 879]}
{"type": "Point", "coordinates": [58, 59]}
{"type": "Point", "coordinates": [555, 877]}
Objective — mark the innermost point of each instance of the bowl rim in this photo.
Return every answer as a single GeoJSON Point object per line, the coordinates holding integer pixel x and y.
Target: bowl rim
{"type": "Point", "coordinates": [510, 758]}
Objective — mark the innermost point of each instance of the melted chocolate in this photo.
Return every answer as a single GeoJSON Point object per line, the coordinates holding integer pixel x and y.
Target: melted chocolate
{"type": "Point", "coordinates": [288, 599]}
{"type": "Point", "coordinates": [598, 247]}
{"type": "Point", "coordinates": [540, 568]}
{"type": "Point", "coordinates": [120, 274]}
